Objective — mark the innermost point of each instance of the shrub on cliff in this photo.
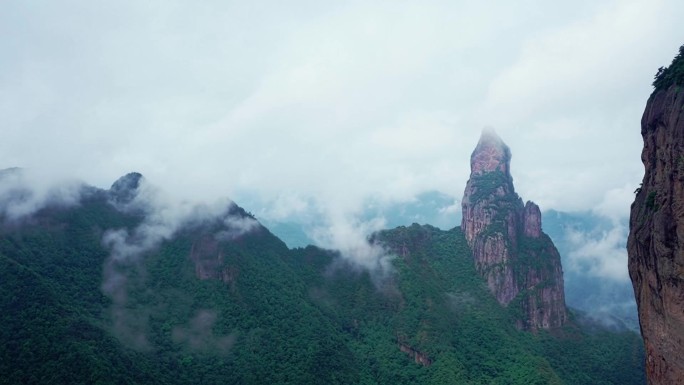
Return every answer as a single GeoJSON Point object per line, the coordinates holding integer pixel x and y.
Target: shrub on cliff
{"type": "Point", "coordinates": [674, 74]}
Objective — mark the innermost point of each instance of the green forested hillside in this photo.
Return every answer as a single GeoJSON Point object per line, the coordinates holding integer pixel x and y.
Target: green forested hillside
{"type": "Point", "coordinates": [172, 327]}
{"type": "Point", "coordinates": [267, 314]}
{"type": "Point", "coordinates": [437, 304]}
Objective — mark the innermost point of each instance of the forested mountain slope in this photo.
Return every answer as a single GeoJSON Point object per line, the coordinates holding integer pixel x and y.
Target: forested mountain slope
{"type": "Point", "coordinates": [89, 295]}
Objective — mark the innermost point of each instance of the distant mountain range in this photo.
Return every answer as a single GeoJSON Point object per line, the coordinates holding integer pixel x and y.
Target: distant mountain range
{"type": "Point", "coordinates": [608, 300]}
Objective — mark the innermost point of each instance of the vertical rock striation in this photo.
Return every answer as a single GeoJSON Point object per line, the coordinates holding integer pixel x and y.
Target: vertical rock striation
{"type": "Point", "coordinates": [519, 262]}
{"type": "Point", "coordinates": [656, 238]}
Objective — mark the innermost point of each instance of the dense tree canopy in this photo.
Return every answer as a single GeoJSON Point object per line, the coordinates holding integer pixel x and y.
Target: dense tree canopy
{"type": "Point", "coordinates": [271, 315]}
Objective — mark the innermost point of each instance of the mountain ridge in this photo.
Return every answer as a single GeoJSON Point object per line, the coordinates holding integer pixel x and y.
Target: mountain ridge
{"type": "Point", "coordinates": [200, 304]}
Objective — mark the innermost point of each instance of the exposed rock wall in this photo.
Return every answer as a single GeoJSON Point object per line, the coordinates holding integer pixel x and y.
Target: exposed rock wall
{"type": "Point", "coordinates": [210, 262]}
{"type": "Point", "coordinates": [418, 357]}
{"type": "Point", "coordinates": [532, 220]}
{"type": "Point", "coordinates": [656, 239]}
{"type": "Point", "coordinates": [519, 262]}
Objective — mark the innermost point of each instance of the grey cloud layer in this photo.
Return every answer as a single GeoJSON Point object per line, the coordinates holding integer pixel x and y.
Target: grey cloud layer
{"type": "Point", "coordinates": [332, 103]}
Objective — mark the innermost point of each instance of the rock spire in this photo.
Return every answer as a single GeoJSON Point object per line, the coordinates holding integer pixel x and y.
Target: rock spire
{"type": "Point", "coordinates": [519, 262]}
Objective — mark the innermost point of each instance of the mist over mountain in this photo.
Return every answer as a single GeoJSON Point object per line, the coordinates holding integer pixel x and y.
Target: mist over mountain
{"type": "Point", "coordinates": [594, 255]}
{"type": "Point", "coordinates": [432, 207]}
{"type": "Point", "coordinates": [279, 192]}
{"type": "Point", "coordinates": [591, 246]}
{"type": "Point", "coordinates": [130, 285]}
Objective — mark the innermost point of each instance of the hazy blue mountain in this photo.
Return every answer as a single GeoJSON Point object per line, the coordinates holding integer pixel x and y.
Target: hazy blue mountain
{"type": "Point", "coordinates": [292, 233]}
{"type": "Point", "coordinates": [608, 300]}
{"type": "Point", "coordinates": [431, 207]}
{"type": "Point", "coordinates": [584, 239]}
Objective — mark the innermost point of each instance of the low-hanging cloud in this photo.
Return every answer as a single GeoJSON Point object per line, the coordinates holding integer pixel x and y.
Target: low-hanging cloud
{"type": "Point", "coordinates": [236, 226]}
{"type": "Point", "coordinates": [602, 255]}
{"type": "Point", "coordinates": [163, 218]}
{"type": "Point", "coordinates": [127, 248]}
{"type": "Point", "coordinates": [199, 335]}
{"type": "Point", "coordinates": [24, 192]}
{"type": "Point", "coordinates": [350, 237]}
{"type": "Point", "coordinates": [393, 101]}
{"type": "Point", "coordinates": [593, 247]}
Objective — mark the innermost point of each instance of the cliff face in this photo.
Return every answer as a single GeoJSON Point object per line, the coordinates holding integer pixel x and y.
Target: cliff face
{"type": "Point", "coordinates": [520, 263]}
{"type": "Point", "coordinates": [656, 239]}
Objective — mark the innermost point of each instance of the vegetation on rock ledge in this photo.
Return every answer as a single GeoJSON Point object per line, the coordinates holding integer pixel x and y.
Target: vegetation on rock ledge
{"type": "Point", "coordinates": [674, 74]}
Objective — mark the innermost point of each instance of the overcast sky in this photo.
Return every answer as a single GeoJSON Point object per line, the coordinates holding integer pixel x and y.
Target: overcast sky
{"type": "Point", "coordinates": [339, 101]}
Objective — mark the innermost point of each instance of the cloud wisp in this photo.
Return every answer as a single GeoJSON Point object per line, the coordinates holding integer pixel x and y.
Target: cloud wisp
{"type": "Point", "coordinates": [285, 100]}
{"type": "Point", "coordinates": [595, 267]}
{"type": "Point", "coordinates": [199, 335]}
{"type": "Point", "coordinates": [600, 254]}
{"type": "Point", "coordinates": [24, 192]}
{"type": "Point", "coordinates": [163, 218]}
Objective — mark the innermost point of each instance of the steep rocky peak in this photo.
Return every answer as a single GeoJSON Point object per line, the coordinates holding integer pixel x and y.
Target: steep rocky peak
{"type": "Point", "coordinates": [519, 262]}
{"type": "Point", "coordinates": [491, 154]}
{"type": "Point", "coordinates": [125, 189]}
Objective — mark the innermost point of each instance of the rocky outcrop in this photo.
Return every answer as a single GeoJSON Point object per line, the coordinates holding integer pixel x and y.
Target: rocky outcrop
{"type": "Point", "coordinates": [210, 262]}
{"type": "Point", "coordinates": [656, 239]}
{"type": "Point", "coordinates": [125, 189]}
{"type": "Point", "coordinates": [532, 220]}
{"type": "Point", "coordinates": [419, 357]}
{"type": "Point", "coordinates": [211, 254]}
{"type": "Point", "coordinates": [519, 262]}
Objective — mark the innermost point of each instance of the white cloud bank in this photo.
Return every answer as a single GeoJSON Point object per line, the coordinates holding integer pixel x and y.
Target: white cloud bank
{"type": "Point", "coordinates": [329, 105]}
{"type": "Point", "coordinates": [602, 255]}
{"type": "Point", "coordinates": [24, 192]}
